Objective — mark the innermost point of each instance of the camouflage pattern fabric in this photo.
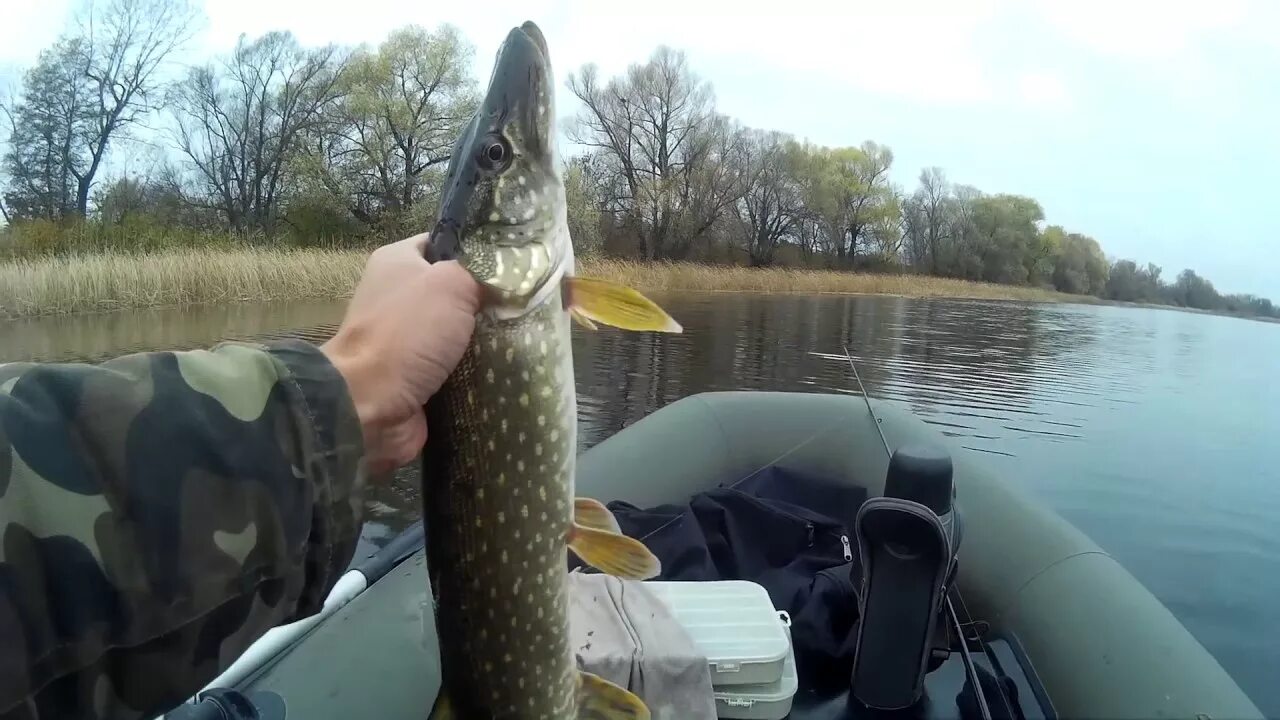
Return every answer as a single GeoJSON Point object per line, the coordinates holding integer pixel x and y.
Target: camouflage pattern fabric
{"type": "Point", "coordinates": [158, 513]}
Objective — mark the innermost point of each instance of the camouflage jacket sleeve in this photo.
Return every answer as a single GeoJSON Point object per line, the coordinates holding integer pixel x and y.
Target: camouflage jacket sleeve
{"type": "Point", "coordinates": [158, 513]}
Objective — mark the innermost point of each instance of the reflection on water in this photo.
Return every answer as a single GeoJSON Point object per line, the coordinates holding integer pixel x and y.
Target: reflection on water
{"type": "Point", "coordinates": [102, 335]}
{"type": "Point", "coordinates": [1150, 430]}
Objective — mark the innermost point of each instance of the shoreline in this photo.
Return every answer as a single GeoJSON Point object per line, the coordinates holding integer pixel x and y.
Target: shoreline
{"type": "Point", "coordinates": [99, 283]}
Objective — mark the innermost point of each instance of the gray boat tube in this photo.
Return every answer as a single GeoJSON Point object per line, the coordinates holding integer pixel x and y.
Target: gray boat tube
{"type": "Point", "coordinates": [1101, 645]}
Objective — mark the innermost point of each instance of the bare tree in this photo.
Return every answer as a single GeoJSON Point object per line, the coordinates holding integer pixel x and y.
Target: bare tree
{"type": "Point", "coordinates": [652, 123]}
{"type": "Point", "coordinates": [240, 123]}
{"type": "Point", "coordinates": [83, 94]}
{"type": "Point", "coordinates": [124, 47]}
{"type": "Point", "coordinates": [771, 202]}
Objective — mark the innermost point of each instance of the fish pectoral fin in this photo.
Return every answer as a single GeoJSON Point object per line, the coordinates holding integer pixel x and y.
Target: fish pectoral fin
{"type": "Point", "coordinates": [613, 553]}
{"type": "Point", "coordinates": [591, 513]}
{"type": "Point", "coordinates": [442, 709]}
{"type": "Point", "coordinates": [615, 305]}
{"type": "Point", "coordinates": [581, 319]}
{"type": "Point", "coordinates": [599, 699]}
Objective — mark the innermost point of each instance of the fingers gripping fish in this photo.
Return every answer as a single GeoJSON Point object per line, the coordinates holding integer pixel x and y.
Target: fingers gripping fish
{"type": "Point", "coordinates": [498, 466]}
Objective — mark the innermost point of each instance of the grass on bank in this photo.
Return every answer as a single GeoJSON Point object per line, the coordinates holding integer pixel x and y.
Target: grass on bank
{"type": "Point", "coordinates": [111, 281]}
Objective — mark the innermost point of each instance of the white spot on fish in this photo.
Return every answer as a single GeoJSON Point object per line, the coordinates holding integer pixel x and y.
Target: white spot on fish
{"type": "Point", "coordinates": [555, 435]}
{"type": "Point", "coordinates": [512, 220]}
{"type": "Point", "coordinates": [520, 465]}
{"type": "Point", "coordinates": [504, 556]}
{"type": "Point", "coordinates": [520, 180]}
{"type": "Point", "coordinates": [524, 399]}
{"type": "Point", "coordinates": [504, 426]}
{"type": "Point", "coordinates": [502, 478]}
{"type": "Point", "coordinates": [545, 391]}
{"type": "Point", "coordinates": [542, 468]}
{"type": "Point", "coordinates": [522, 436]}
{"type": "Point", "coordinates": [537, 449]}
{"type": "Point", "coordinates": [542, 420]}
{"type": "Point", "coordinates": [542, 109]}
{"type": "Point", "coordinates": [533, 197]}
{"type": "Point", "coordinates": [502, 517]}
{"type": "Point", "coordinates": [493, 344]}
{"type": "Point", "coordinates": [479, 493]}
{"type": "Point", "coordinates": [537, 537]}
{"type": "Point", "coordinates": [506, 657]}
{"type": "Point", "coordinates": [524, 375]}
{"type": "Point", "coordinates": [479, 521]}
{"type": "Point", "coordinates": [528, 214]}
{"type": "Point", "coordinates": [559, 504]}
{"type": "Point", "coordinates": [488, 376]}
{"type": "Point", "coordinates": [492, 446]}
{"type": "Point", "coordinates": [524, 513]}
{"type": "Point", "coordinates": [539, 609]}
{"type": "Point", "coordinates": [511, 354]}
{"type": "Point", "coordinates": [555, 457]}
{"type": "Point", "coordinates": [542, 347]}
{"type": "Point", "coordinates": [494, 217]}
{"type": "Point", "coordinates": [544, 517]}
{"type": "Point", "coordinates": [493, 592]}
{"type": "Point", "coordinates": [511, 236]}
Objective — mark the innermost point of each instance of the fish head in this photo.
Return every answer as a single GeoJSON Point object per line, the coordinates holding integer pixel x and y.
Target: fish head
{"type": "Point", "coordinates": [502, 214]}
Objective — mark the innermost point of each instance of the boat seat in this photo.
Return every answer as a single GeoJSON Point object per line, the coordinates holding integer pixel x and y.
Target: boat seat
{"type": "Point", "coordinates": [907, 540]}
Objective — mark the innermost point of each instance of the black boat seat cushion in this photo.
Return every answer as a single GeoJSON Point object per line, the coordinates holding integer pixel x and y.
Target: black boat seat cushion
{"type": "Point", "coordinates": [765, 529]}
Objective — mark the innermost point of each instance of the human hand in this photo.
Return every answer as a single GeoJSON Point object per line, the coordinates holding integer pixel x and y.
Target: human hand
{"type": "Point", "coordinates": [405, 329]}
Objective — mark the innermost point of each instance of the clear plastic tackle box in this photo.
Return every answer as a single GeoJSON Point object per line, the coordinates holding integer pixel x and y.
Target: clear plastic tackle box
{"type": "Point", "coordinates": [746, 641]}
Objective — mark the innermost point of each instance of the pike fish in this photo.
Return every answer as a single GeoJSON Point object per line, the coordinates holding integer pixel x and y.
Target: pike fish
{"type": "Point", "coordinates": [498, 465]}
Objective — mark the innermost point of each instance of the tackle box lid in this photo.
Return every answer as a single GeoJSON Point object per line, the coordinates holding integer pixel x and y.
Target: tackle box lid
{"type": "Point", "coordinates": [734, 623]}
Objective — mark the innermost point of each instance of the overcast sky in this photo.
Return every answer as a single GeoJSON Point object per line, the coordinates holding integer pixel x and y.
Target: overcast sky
{"type": "Point", "coordinates": [1151, 126]}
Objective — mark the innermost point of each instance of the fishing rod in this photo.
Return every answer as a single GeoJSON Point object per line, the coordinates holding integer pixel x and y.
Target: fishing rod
{"type": "Point", "coordinates": [865, 397]}
{"type": "Point", "coordinates": [970, 668]}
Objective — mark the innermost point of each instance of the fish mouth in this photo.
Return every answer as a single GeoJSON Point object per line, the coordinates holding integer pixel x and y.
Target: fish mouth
{"type": "Point", "coordinates": [510, 138]}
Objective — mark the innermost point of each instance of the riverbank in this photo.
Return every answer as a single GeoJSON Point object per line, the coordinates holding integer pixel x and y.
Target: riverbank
{"type": "Point", "coordinates": [103, 282]}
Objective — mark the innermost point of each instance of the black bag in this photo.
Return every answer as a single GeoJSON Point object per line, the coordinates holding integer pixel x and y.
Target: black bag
{"type": "Point", "coordinates": [764, 529]}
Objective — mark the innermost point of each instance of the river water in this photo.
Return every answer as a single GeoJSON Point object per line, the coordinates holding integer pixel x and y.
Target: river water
{"type": "Point", "coordinates": [1153, 431]}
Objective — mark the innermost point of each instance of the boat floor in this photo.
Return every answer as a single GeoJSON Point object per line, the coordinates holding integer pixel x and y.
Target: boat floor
{"type": "Point", "coordinates": [378, 655]}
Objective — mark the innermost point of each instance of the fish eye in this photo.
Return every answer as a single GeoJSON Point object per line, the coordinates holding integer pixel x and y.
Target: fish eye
{"type": "Point", "coordinates": [495, 153]}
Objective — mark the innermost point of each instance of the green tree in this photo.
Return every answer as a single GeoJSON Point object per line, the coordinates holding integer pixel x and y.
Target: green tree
{"type": "Point", "coordinates": [391, 133]}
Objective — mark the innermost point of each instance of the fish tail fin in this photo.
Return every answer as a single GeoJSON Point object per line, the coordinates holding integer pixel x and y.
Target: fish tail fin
{"type": "Point", "coordinates": [599, 699]}
{"type": "Point", "coordinates": [615, 305]}
{"type": "Point", "coordinates": [613, 553]}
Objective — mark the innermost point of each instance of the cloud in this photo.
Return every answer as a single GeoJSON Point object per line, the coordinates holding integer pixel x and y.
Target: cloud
{"type": "Point", "coordinates": [1142, 29]}
{"type": "Point", "coordinates": [1043, 89]}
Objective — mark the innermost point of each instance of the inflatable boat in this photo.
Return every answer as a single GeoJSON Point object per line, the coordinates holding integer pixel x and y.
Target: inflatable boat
{"type": "Point", "coordinates": [1025, 597]}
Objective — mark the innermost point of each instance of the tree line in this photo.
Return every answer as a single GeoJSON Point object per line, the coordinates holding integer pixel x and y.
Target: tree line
{"type": "Point", "coordinates": [276, 142]}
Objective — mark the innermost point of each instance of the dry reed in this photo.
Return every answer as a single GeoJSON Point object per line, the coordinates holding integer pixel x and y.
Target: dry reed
{"type": "Point", "coordinates": [109, 281]}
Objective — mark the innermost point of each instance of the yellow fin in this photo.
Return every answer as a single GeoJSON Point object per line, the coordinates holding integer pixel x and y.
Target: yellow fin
{"type": "Point", "coordinates": [443, 709]}
{"type": "Point", "coordinates": [599, 699]}
{"type": "Point", "coordinates": [591, 513]}
{"type": "Point", "coordinates": [613, 553]}
{"type": "Point", "coordinates": [582, 320]}
{"type": "Point", "coordinates": [615, 305]}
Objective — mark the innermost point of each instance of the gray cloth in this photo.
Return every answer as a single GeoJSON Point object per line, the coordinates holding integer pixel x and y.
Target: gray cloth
{"type": "Point", "coordinates": [622, 632]}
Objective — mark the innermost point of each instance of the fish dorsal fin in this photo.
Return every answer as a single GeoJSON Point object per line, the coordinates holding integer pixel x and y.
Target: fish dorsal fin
{"type": "Point", "coordinates": [591, 513]}
{"type": "Point", "coordinates": [599, 699]}
{"type": "Point", "coordinates": [615, 305]}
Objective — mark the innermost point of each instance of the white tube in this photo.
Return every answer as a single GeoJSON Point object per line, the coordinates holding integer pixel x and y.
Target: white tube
{"type": "Point", "coordinates": [278, 639]}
